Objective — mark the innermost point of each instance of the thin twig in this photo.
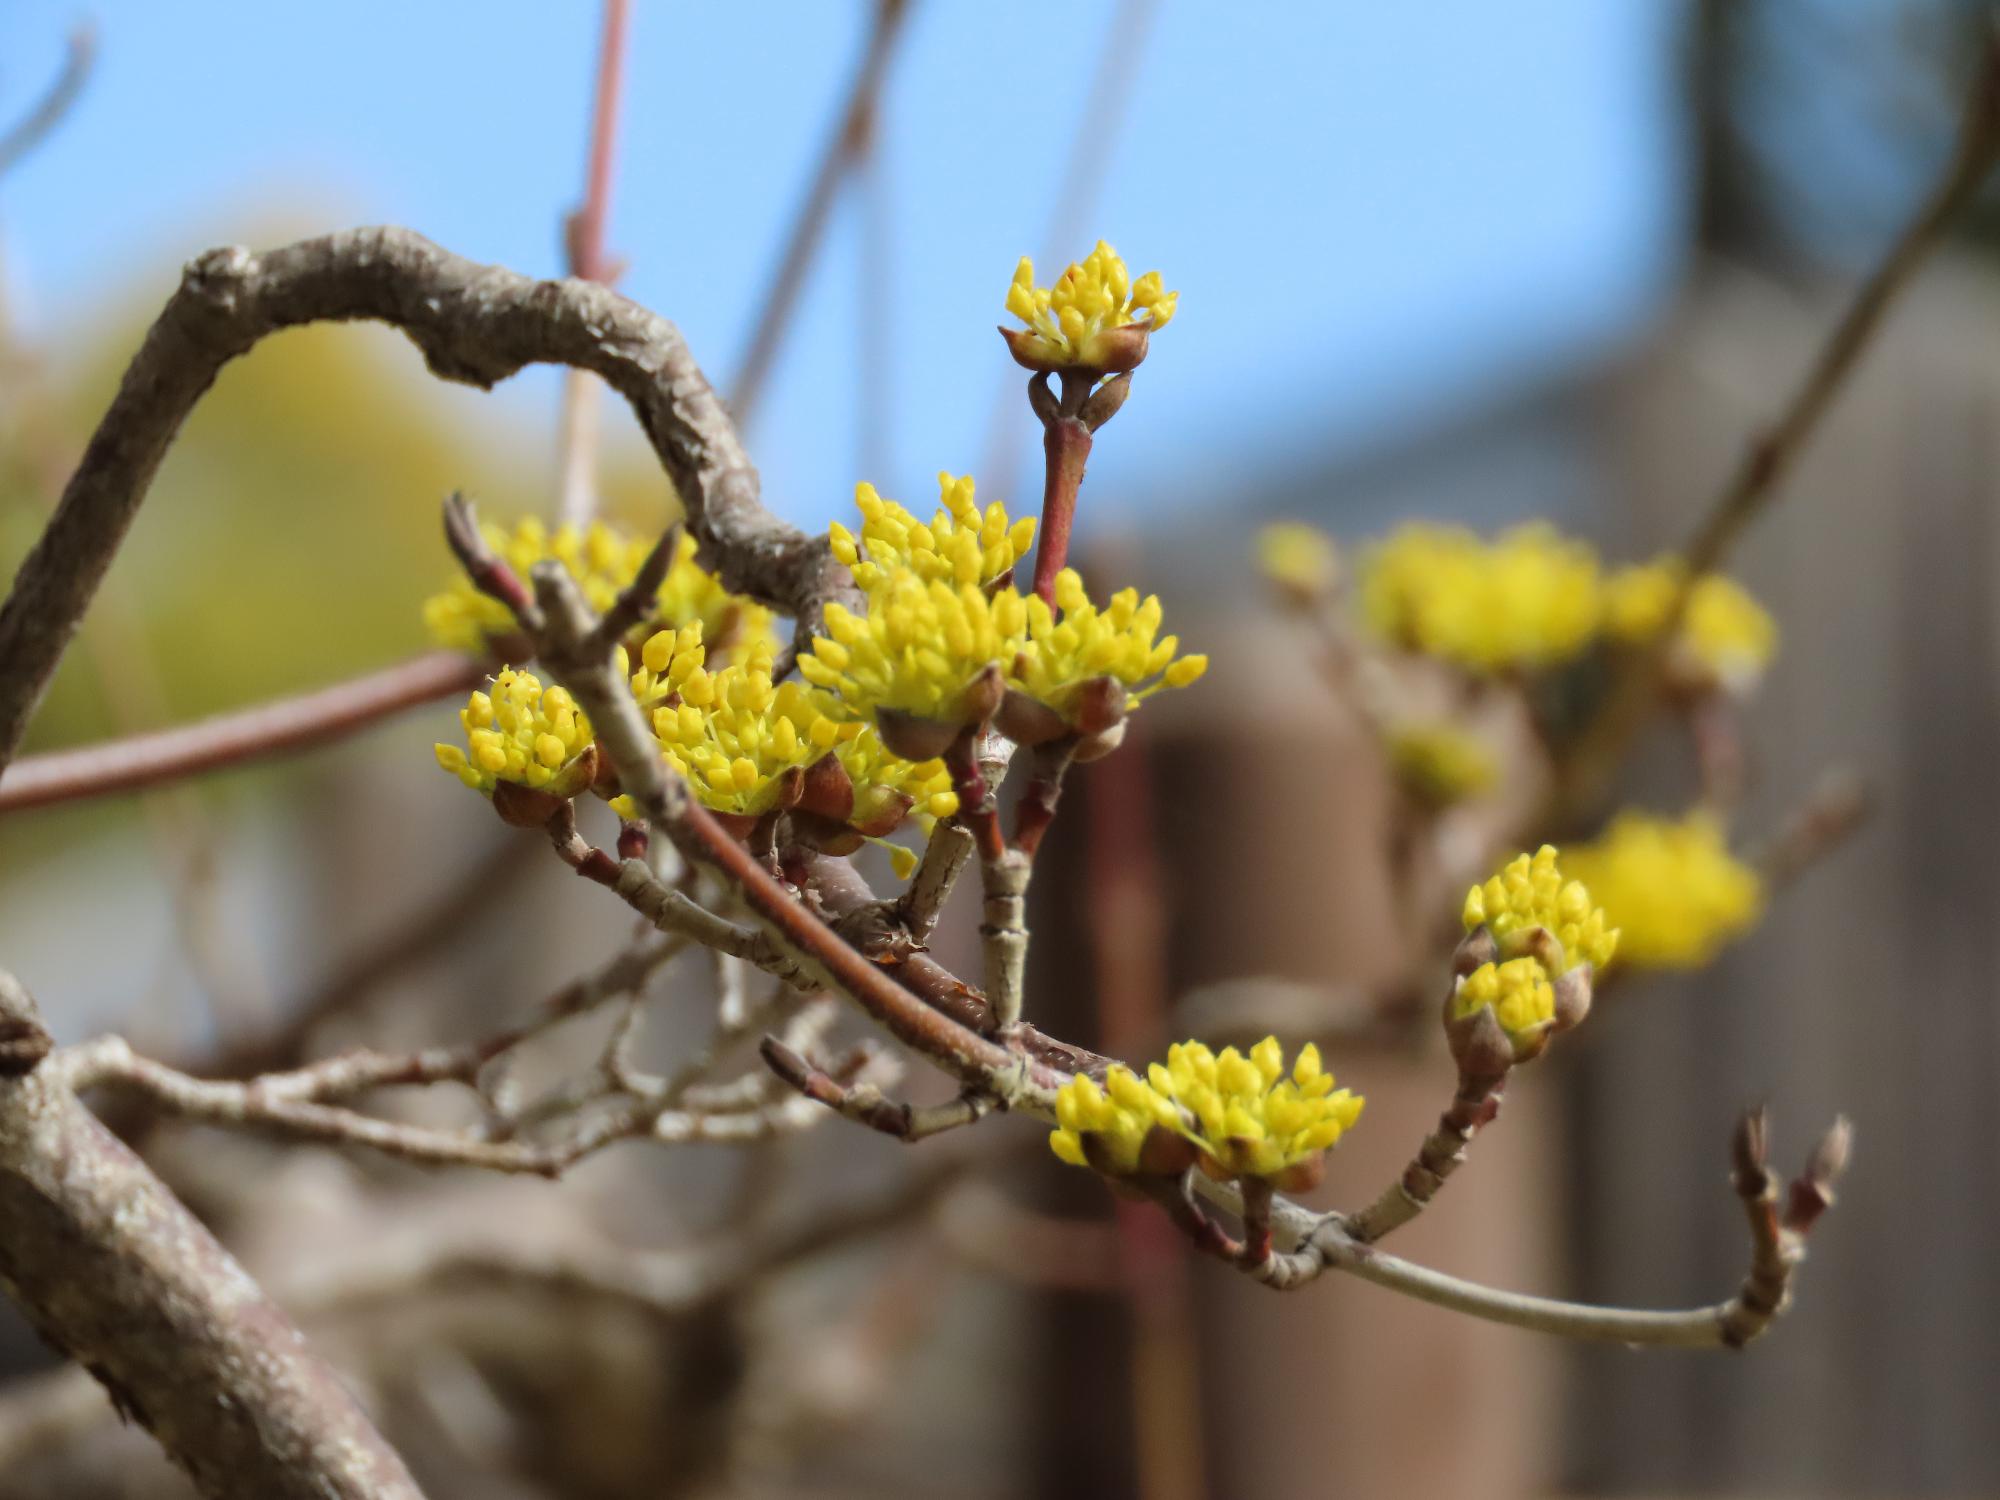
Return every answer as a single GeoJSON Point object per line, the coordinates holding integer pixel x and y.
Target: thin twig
{"type": "Point", "coordinates": [584, 233]}
{"type": "Point", "coordinates": [54, 106]}
{"type": "Point", "coordinates": [1772, 454]}
{"type": "Point", "coordinates": [944, 856]}
{"type": "Point", "coordinates": [1442, 1153]}
{"type": "Point", "coordinates": [295, 1108]}
{"type": "Point", "coordinates": [852, 135]}
{"type": "Point", "coordinates": [1837, 806]}
{"type": "Point", "coordinates": [279, 727]}
{"type": "Point", "coordinates": [865, 1104]}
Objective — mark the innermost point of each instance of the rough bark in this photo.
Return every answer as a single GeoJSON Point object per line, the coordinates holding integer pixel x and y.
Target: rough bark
{"type": "Point", "coordinates": [120, 1277]}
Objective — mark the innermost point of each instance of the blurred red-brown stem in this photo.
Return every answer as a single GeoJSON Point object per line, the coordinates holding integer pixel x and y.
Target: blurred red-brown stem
{"type": "Point", "coordinates": [1127, 898]}
{"type": "Point", "coordinates": [275, 728]}
{"type": "Point", "coordinates": [587, 228]}
{"type": "Point", "coordinates": [851, 138]}
{"type": "Point", "coordinates": [584, 234]}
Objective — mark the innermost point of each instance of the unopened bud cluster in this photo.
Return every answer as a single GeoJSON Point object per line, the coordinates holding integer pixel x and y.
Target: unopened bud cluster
{"type": "Point", "coordinates": [1534, 941]}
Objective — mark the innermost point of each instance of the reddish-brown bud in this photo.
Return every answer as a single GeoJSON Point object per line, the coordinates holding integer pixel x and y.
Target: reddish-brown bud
{"type": "Point", "coordinates": [1097, 746]}
{"type": "Point", "coordinates": [1572, 997]}
{"type": "Point", "coordinates": [1479, 1043]}
{"type": "Point", "coordinates": [827, 790]}
{"type": "Point", "coordinates": [912, 737]}
{"type": "Point", "coordinates": [525, 806]}
{"type": "Point", "coordinates": [1028, 721]}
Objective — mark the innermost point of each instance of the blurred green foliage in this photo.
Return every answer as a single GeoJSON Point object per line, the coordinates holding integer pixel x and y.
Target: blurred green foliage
{"type": "Point", "coordinates": [292, 533]}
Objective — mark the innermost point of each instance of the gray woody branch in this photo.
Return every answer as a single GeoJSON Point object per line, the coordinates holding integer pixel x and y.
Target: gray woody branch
{"type": "Point", "coordinates": [476, 324]}
{"type": "Point", "coordinates": [125, 1281]}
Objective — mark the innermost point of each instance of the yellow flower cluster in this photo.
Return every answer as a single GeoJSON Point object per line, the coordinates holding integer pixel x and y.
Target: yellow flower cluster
{"type": "Point", "coordinates": [922, 645]}
{"type": "Point", "coordinates": [882, 782]}
{"type": "Point", "coordinates": [1251, 1119]}
{"type": "Point", "coordinates": [1301, 560]}
{"type": "Point", "coordinates": [603, 561]}
{"type": "Point", "coordinates": [1727, 638]}
{"type": "Point", "coordinates": [1062, 653]}
{"type": "Point", "coordinates": [1523, 999]}
{"type": "Point", "coordinates": [675, 663]}
{"type": "Point", "coordinates": [1526, 601]}
{"type": "Point", "coordinates": [917, 648]}
{"type": "Point", "coordinates": [1076, 323]}
{"type": "Point", "coordinates": [961, 544]}
{"type": "Point", "coordinates": [517, 731]}
{"type": "Point", "coordinates": [1439, 763]}
{"type": "Point", "coordinates": [1108, 1128]}
{"type": "Point", "coordinates": [735, 749]}
{"type": "Point", "coordinates": [734, 734]}
{"type": "Point", "coordinates": [1673, 887]}
{"type": "Point", "coordinates": [1531, 892]}
{"type": "Point", "coordinates": [1242, 1115]}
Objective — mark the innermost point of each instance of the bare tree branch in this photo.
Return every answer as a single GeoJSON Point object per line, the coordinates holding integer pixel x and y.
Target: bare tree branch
{"type": "Point", "coordinates": [124, 1280]}
{"type": "Point", "coordinates": [475, 324]}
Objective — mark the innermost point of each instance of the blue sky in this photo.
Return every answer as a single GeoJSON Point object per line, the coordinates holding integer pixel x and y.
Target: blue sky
{"type": "Point", "coordinates": [1374, 213]}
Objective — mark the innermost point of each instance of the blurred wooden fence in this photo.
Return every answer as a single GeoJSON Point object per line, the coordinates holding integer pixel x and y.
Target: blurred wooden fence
{"type": "Point", "coordinates": [1871, 989]}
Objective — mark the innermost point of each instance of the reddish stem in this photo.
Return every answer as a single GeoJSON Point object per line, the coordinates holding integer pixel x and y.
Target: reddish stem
{"type": "Point", "coordinates": [1037, 808]}
{"type": "Point", "coordinates": [268, 729]}
{"type": "Point", "coordinates": [1065, 447]}
{"type": "Point", "coordinates": [587, 228]}
{"type": "Point", "coordinates": [977, 808]}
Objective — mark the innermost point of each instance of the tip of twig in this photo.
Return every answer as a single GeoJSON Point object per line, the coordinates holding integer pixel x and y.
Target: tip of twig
{"type": "Point", "coordinates": [1750, 1150]}
{"type": "Point", "coordinates": [1830, 1157]}
{"type": "Point", "coordinates": [786, 1063]}
{"type": "Point", "coordinates": [461, 529]}
{"type": "Point", "coordinates": [483, 566]}
{"type": "Point", "coordinates": [635, 604]}
{"type": "Point", "coordinates": [1813, 1193]}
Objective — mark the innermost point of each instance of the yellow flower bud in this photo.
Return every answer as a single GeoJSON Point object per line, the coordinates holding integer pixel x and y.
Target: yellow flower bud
{"type": "Point", "coordinates": [1095, 317]}
{"type": "Point", "coordinates": [1531, 892]}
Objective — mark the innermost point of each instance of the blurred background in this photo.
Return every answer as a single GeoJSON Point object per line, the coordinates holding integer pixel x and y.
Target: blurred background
{"type": "Point", "coordinates": [1473, 263]}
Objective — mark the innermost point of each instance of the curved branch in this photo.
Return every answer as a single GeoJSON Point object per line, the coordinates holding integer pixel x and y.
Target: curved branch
{"type": "Point", "coordinates": [476, 324]}
{"type": "Point", "coordinates": [1779, 1223]}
